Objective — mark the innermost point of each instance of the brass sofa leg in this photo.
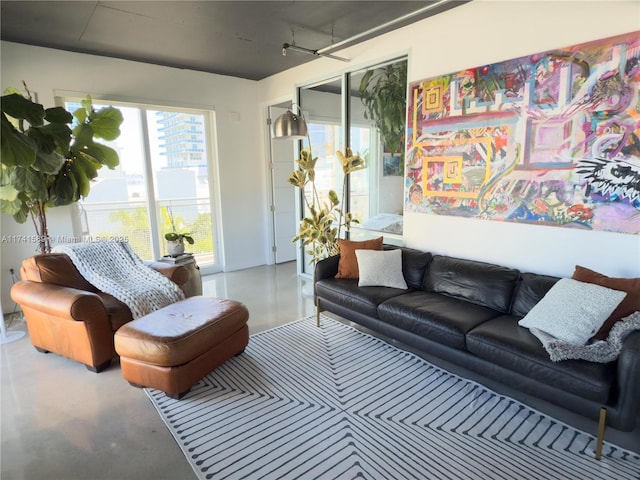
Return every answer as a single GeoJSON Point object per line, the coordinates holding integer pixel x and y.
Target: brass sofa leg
{"type": "Point", "coordinates": [318, 310]}
{"type": "Point", "coordinates": [602, 424]}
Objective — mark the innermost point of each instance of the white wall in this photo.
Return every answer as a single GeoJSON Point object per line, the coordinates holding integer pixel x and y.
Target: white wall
{"type": "Point", "coordinates": [240, 159]}
{"type": "Point", "coordinates": [484, 32]}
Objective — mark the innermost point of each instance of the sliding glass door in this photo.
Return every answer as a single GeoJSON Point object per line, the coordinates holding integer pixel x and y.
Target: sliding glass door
{"type": "Point", "coordinates": [162, 184]}
{"type": "Point", "coordinates": [322, 108]}
{"type": "Point", "coordinates": [364, 110]}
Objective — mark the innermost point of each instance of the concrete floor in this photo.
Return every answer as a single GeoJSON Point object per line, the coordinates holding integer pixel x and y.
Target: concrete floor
{"type": "Point", "coordinates": [63, 422]}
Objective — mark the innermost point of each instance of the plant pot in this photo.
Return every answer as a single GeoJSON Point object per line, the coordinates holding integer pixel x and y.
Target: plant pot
{"type": "Point", "coordinates": [175, 247]}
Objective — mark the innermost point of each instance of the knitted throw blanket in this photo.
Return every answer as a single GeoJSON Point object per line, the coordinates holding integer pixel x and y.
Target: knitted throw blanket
{"type": "Point", "coordinates": [598, 351]}
{"type": "Point", "coordinates": [114, 268]}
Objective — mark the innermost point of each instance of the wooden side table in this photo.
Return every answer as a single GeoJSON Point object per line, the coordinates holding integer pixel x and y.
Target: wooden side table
{"type": "Point", "coordinates": [193, 286]}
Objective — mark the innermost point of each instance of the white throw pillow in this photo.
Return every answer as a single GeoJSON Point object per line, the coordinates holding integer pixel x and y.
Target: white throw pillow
{"type": "Point", "coordinates": [380, 268]}
{"type": "Point", "coordinates": [573, 311]}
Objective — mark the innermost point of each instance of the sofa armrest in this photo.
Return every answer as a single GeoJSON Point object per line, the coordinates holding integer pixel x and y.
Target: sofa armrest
{"type": "Point", "coordinates": [178, 274]}
{"type": "Point", "coordinates": [628, 384]}
{"type": "Point", "coordinates": [58, 301]}
{"type": "Point", "coordinates": [326, 268]}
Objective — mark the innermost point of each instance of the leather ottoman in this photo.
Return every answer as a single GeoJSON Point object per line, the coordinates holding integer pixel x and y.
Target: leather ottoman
{"type": "Point", "coordinates": [174, 347]}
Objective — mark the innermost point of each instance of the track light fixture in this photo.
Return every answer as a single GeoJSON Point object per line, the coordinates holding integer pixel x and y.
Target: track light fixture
{"type": "Point", "coordinates": [287, 46]}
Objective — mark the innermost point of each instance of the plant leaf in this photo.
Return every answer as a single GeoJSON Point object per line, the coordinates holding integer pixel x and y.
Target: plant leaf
{"type": "Point", "coordinates": [8, 194]}
{"type": "Point", "coordinates": [44, 142]}
{"type": "Point", "coordinates": [22, 108]}
{"type": "Point", "coordinates": [29, 181]}
{"type": "Point", "coordinates": [57, 115]}
{"type": "Point", "coordinates": [22, 214]}
{"type": "Point", "coordinates": [64, 189]}
{"type": "Point", "coordinates": [83, 134]}
{"type": "Point", "coordinates": [61, 135]}
{"type": "Point", "coordinates": [81, 178]}
{"type": "Point", "coordinates": [80, 114]}
{"type": "Point", "coordinates": [48, 163]}
{"type": "Point", "coordinates": [333, 198]}
{"type": "Point", "coordinates": [101, 154]}
{"type": "Point", "coordinates": [16, 149]}
{"type": "Point", "coordinates": [106, 123]}
{"type": "Point", "coordinates": [88, 166]}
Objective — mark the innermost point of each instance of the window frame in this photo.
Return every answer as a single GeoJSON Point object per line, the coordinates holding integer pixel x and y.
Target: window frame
{"type": "Point", "coordinates": [210, 134]}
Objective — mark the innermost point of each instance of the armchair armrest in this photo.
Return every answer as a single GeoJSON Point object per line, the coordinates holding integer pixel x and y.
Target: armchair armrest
{"type": "Point", "coordinates": [68, 321]}
{"type": "Point", "coordinates": [178, 274]}
{"type": "Point", "coordinates": [58, 301]}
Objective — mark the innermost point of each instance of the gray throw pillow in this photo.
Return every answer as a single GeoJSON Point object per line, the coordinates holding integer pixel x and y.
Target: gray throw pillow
{"type": "Point", "coordinates": [380, 268]}
{"type": "Point", "coordinates": [573, 311]}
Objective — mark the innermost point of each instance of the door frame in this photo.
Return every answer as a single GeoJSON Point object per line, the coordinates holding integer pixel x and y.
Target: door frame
{"type": "Point", "coordinates": [271, 212]}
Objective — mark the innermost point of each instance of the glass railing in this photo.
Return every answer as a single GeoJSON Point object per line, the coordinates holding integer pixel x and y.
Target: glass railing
{"type": "Point", "coordinates": [129, 221]}
{"type": "Point", "coordinates": [192, 216]}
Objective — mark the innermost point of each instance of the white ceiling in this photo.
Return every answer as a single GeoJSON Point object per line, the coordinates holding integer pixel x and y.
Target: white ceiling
{"type": "Point", "coordinates": [237, 38]}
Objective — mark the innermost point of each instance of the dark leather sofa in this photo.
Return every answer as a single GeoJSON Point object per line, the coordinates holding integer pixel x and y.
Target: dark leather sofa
{"type": "Point", "coordinates": [466, 312]}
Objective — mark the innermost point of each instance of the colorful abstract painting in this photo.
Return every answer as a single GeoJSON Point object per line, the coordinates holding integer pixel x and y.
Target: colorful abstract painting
{"type": "Point", "coordinates": [551, 139]}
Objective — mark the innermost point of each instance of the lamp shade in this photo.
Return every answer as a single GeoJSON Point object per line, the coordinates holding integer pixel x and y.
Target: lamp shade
{"type": "Point", "coordinates": [290, 125]}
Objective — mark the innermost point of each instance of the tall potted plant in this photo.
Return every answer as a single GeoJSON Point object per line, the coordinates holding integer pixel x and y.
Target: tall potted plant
{"type": "Point", "coordinates": [383, 92]}
{"type": "Point", "coordinates": [48, 162]}
{"type": "Point", "coordinates": [320, 230]}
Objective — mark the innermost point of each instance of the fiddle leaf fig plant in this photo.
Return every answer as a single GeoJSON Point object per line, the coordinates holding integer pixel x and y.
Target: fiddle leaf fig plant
{"type": "Point", "coordinates": [320, 230]}
{"type": "Point", "coordinates": [47, 160]}
{"type": "Point", "coordinates": [383, 92]}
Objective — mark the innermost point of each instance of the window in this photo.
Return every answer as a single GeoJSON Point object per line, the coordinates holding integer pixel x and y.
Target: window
{"type": "Point", "coordinates": [162, 183]}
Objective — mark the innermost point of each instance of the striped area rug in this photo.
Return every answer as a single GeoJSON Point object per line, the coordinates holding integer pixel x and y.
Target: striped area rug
{"type": "Point", "coordinates": [333, 403]}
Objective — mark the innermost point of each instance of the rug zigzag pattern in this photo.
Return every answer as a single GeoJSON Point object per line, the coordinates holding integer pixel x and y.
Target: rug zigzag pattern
{"type": "Point", "coordinates": [312, 403]}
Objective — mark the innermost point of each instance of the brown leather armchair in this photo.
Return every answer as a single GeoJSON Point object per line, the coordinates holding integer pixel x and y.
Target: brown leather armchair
{"type": "Point", "coordinates": [67, 315]}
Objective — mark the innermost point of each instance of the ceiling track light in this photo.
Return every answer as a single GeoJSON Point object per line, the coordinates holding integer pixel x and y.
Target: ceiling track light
{"type": "Point", "coordinates": [296, 48]}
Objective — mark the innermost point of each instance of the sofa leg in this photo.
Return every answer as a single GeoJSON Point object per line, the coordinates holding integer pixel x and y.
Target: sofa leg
{"type": "Point", "coordinates": [602, 424]}
{"type": "Point", "coordinates": [318, 310]}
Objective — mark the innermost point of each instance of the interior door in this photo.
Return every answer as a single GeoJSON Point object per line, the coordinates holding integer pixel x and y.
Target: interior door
{"type": "Point", "coordinates": [283, 194]}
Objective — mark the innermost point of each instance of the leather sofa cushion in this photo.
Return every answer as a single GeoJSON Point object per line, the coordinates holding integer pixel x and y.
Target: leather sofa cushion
{"type": "Point", "coordinates": [56, 268]}
{"type": "Point", "coordinates": [118, 312]}
{"type": "Point", "coordinates": [346, 292]}
{"type": "Point", "coordinates": [503, 342]}
{"type": "Point", "coordinates": [414, 265]}
{"type": "Point", "coordinates": [530, 290]}
{"type": "Point", "coordinates": [436, 317]}
{"type": "Point", "coordinates": [477, 282]}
